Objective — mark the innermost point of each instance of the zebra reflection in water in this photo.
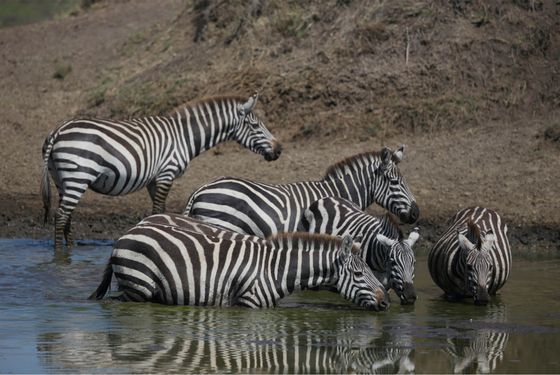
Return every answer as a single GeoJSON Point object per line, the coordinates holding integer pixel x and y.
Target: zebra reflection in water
{"type": "Point", "coordinates": [481, 349]}
{"type": "Point", "coordinates": [202, 340]}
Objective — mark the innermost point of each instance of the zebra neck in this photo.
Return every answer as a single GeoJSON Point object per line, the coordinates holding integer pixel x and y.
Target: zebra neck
{"type": "Point", "coordinates": [203, 126]}
{"type": "Point", "coordinates": [353, 186]}
{"type": "Point", "coordinates": [300, 265]}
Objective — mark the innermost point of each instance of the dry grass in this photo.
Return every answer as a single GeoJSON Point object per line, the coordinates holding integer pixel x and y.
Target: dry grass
{"type": "Point", "coordinates": [339, 68]}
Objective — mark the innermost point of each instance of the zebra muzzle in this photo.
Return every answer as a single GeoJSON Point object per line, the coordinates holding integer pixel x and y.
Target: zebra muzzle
{"type": "Point", "coordinates": [275, 152]}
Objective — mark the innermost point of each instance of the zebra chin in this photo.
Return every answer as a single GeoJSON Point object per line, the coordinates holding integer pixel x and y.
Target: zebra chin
{"type": "Point", "coordinates": [411, 215]}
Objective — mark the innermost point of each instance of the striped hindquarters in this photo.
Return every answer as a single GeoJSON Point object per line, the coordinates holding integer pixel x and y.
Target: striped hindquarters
{"type": "Point", "coordinates": [174, 266]}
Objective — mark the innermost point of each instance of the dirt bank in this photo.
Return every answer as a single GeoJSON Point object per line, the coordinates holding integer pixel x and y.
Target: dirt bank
{"type": "Point", "coordinates": [477, 106]}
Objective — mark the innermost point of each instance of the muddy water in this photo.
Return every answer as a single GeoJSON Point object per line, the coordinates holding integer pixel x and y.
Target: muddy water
{"type": "Point", "coordinates": [47, 325]}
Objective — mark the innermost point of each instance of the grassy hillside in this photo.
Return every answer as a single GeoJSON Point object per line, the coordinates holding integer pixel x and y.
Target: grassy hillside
{"type": "Point", "coordinates": [346, 67]}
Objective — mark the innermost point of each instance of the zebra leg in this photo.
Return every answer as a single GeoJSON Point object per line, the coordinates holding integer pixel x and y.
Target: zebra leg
{"type": "Point", "coordinates": [68, 236]}
{"type": "Point", "coordinates": [69, 197]}
{"type": "Point", "coordinates": [159, 189]}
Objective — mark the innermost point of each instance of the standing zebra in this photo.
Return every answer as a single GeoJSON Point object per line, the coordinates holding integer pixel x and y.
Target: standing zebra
{"type": "Point", "coordinates": [171, 265]}
{"type": "Point", "coordinates": [120, 157]}
{"type": "Point", "coordinates": [473, 257]}
{"type": "Point", "coordinates": [383, 247]}
{"type": "Point", "coordinates": [263, 209]}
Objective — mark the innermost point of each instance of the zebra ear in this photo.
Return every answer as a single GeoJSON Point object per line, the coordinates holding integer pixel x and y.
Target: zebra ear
{"type": "Point", "coordinates": [399, 154]}
{"type": "Point", "coordinates": [464, 242]}
{"type": "Point", "coordinates": [386, 155]}
{"type": "Point", "coordinates": [251, 102]}
{"type": "Point", "coordinates": [385, 240]}
{"type": "Point", "coordinates": [347, 243]}
{"type": "Point", "coordinates": [488, 241]}
{"type": "Point", "coordinates": [413, 237]}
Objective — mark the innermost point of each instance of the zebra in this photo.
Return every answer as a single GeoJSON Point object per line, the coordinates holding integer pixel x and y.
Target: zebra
{"type": "Point", "coordinates": [261, 209]}
{"type": "Point", "coordinates": [473, 257]}
{"type": "Point", "coordinates": [172, 265]}
{"type": "Point", "coordinates": [382, 243]}
{"type": "Point", "coordinates": [120, 157]}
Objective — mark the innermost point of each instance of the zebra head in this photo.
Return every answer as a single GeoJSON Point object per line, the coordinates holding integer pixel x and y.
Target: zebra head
{"type": "Point", "coordinates": [253, 134]}
{"type": "Point", "coordinates": [400, 265]}
{"type": "Point", "coordinates": [478, 263]}
{"type": "Point", "coordinates": [356, 281]}
{"type": "Point", "coordinates": [391, 190]}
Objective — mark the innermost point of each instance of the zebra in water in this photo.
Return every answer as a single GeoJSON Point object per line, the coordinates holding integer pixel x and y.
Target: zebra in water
{"type": "Point", "coordinates": [263, 209]}
{"type": "Point", "coordinates": [120, 157]}
{"type": "Point", "coordinates": [382, 244]}
{"type": "Point", "coordinates": [171, 265]}
{"type": "Point", "coordinates": [473, 257]}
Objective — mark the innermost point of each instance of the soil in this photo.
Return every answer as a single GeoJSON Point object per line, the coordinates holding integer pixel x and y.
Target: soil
{"type": "Point", "coordinates": [481, 131]}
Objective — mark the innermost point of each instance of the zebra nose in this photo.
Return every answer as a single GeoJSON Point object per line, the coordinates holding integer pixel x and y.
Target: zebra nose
{"type": "Point", "coordinates": [408, 296]}
{"type": "Point", "coordinates": [410, 216]}
{"type": "Point", "coordinates": [275, 152]}
{"type": "Point", "coordinates": [383, 305]}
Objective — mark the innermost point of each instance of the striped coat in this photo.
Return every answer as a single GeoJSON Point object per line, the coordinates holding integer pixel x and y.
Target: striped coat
{"type": "Point", "coordinates": [172, 265]}
{"type": "Point", "coordinates": [383, 247]}
{"type": "Point", "coordinates": [261, 209]}
{"type": "Point", "coordinates": [120, 157]}
{"type": "Point", "coordinates": [473, 257]}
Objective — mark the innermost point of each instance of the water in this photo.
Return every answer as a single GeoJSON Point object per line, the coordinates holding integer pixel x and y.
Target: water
{"type": "Point", "coordinates": [47, 325]}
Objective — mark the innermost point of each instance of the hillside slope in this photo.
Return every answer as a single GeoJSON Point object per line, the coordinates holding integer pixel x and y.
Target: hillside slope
{"type": "Point", "coordinates": [472, 87]}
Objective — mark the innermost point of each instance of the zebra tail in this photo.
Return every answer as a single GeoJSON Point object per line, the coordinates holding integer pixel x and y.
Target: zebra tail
{"type": "Point", "coordinates": [45, 184]}
{"type": "Point", "coordinates": [101, 290]}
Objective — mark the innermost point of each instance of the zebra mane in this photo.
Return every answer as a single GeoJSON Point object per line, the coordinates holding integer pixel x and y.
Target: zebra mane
{"type": "Point", "coordinates": [392, 221]}
{"type": "Point", "coordinates": [333, 170]}
{"type": "Point", "coordinates": [309, 239]}
{"type": "Point", "coordinates": [210, 99]}
{"type": "Point", "coordinates": [473, 233]}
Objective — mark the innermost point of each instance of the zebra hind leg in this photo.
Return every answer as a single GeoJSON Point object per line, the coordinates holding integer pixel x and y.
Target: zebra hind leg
{"type": "Point", "coordinates": [68, 235]}
{"type": "Point", "coordinates": [159, 189]}
{"type": "Point", "coordinates": [60, 222]}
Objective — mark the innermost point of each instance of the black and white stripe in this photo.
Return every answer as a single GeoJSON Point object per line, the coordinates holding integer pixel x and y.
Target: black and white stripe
{"type": "Point", "coordinates": [120, 157]}
{"type": "Point", "coordinates": [383, 247]}
{"type": "Point", "coordinates": [265, 209]}
{"type": "Point", "coordinates": [473, 257]}
{"type": "Point", "coordinates": [172, 265]}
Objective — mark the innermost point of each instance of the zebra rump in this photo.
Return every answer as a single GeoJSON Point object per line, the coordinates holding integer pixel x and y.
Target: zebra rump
{"type": "Point", "coordinates": [473, 257]}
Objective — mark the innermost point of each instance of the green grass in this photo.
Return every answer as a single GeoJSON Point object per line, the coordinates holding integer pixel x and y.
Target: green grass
{"type": "Point", "coordinates": [19, 12]}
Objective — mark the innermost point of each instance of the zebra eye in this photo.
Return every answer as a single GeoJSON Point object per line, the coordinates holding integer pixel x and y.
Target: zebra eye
{"type": "Point", "coordinates": [358, 273]}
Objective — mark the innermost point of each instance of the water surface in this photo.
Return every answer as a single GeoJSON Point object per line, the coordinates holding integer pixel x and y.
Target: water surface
{"type": "Point", "coordinates": [47, 325]}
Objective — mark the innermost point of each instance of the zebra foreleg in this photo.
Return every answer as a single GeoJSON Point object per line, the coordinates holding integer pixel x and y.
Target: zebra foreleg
{"type": "Point", "coordinates": [158, 190]}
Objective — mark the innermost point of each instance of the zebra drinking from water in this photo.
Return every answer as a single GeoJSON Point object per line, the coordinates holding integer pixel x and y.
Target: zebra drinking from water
{"type": "Point", "coordinates": [382, 244]}
{"type": "Point", "coordinates": [263, 209]}
{"type": "Point", "coordinates": [473, 257]}
{"type": "Point", "coordinates": [120, 157]}
{"type": "Point", "coordinates": [169, 264]}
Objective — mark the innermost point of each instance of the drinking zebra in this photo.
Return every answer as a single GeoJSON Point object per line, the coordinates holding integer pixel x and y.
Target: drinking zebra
{"type": "Point", "coordinates": [473, 257]}
{"type": "Point", "coordinates": [382, 244]}
{"type": "Point", "coordinates": [263, 209]}
{"type": "Point", "coordinates": [172, 265]}
{"type": "Point", "coordinates": [120, 157]}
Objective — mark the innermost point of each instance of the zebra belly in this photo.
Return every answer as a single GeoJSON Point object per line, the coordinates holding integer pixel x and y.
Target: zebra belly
{"type": "Point", "coordinates": [109, 183]}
